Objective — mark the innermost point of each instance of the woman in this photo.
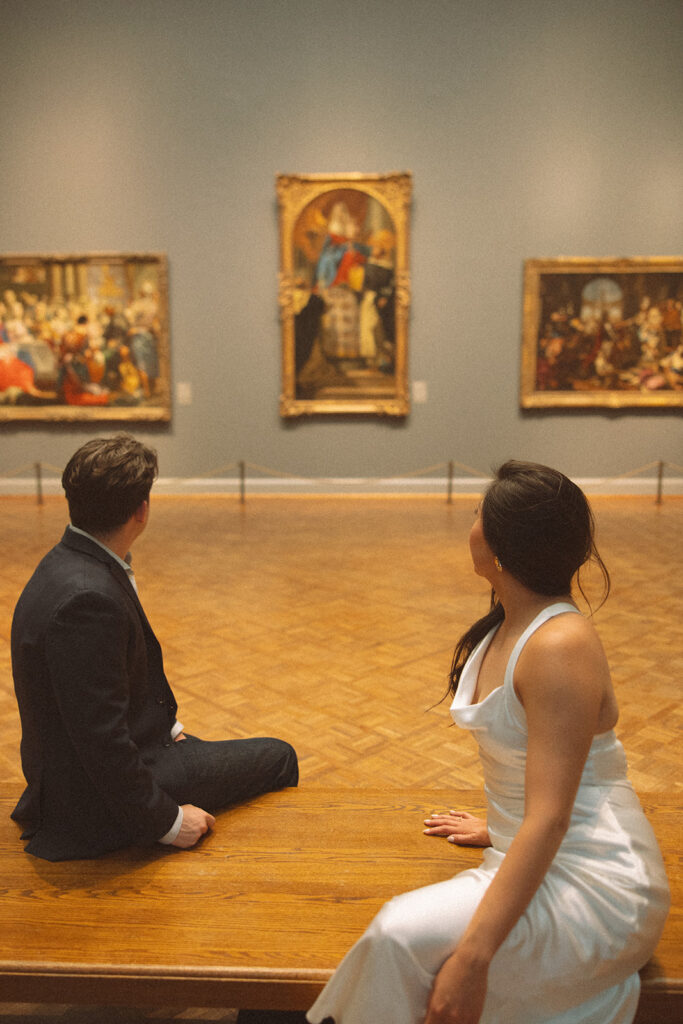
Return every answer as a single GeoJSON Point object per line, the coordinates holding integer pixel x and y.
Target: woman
{"type": "Point", "coordinates": [571, 896]}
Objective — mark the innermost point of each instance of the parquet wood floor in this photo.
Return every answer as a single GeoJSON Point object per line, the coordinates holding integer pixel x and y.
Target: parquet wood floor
{"type": "Point", "coordinates": [330, 622]}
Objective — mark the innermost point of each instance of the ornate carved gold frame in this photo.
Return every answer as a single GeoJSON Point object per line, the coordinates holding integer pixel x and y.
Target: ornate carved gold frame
{"type": "Point", "coordinates": [325, 370]}
{"type": "Point", "coordinates": [602, 332]}
{"type": "Point", "coordinates": [84, 337]}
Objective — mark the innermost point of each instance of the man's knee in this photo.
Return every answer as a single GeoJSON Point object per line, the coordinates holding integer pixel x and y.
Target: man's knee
{"type": "Point", "coordinates": [288, 763]}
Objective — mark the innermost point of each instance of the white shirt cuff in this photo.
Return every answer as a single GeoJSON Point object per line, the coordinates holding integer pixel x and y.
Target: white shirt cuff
{"type": "Point", "coordinates": [177, 824]}
{"type": "Point", "coordinates": [174, 829]}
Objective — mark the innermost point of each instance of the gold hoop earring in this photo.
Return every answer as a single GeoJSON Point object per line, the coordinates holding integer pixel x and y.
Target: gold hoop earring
{"type": "Point", "coordinates": [496, 562]}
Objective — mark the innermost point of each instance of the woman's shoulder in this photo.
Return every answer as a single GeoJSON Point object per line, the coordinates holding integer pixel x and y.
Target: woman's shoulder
{"type": "Point", "coordinates": [565, 625]}
{"type": "Point", "coordinates": [566, 646]}
{"type": "Point", "coordinates": [565, 633]}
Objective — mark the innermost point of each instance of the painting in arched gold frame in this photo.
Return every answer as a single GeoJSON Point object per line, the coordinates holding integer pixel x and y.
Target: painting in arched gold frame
{"type": "Point", "coordinates": [344, 293]}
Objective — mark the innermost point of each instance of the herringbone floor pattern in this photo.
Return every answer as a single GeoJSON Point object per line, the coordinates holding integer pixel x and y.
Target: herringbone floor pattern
{"type": "Point", "coordinates": [330, 622]}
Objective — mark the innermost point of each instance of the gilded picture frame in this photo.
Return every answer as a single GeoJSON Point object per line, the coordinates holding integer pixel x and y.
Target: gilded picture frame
{"type": "Point", "coordinates": [344, 293]}
{"type": "Point", "coordinates": [84, 336]}
{"type": "Point", "coordinates": [602, 333]}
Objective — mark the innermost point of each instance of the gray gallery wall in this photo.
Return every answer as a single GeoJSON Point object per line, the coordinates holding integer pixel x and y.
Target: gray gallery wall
{"type": "Point", "coordinates": [532, 127]}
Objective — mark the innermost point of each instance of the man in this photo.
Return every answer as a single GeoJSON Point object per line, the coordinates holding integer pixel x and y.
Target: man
{"type": "Point", "coordinates": [107, 763]}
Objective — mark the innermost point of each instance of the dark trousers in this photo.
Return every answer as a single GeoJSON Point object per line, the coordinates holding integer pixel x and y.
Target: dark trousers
{"type": "Point", "coordinates": [214, 774]}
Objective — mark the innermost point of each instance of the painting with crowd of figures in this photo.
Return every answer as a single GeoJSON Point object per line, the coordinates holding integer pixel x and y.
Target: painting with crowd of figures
{"type": "Point", "coordinates": [84, 337]}
{"type": "Point", "coordinates": [344, 293]}
{"type": "Point", "coordinates": [603, 332]}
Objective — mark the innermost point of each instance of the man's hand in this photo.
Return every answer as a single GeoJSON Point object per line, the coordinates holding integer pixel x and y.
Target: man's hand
{"type": "Point", "coordinates": [196, 823]}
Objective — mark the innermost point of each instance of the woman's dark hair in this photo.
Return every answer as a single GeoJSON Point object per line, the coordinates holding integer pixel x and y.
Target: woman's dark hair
{"type": "Point", "coordinates": [540, 527]}
{"type": "Point", "coordinates": [106, 480]}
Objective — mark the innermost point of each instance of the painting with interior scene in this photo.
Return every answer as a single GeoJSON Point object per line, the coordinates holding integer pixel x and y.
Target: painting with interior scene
{"type": "Point", "coordinates": [84, 337]}
{"type": "Point", "coordinates": [603, 332]}
{"type": "Point", "coordinates": [344, 293]}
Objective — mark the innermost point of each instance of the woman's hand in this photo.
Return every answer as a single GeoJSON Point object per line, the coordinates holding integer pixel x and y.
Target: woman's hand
{"type": "Point", "coordinates": [458, 992]}
{"type": "Point", "coordinates": [459, 827]}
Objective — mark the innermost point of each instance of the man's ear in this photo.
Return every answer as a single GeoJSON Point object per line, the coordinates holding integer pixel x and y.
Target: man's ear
{"type": "Point", "coordinates": [141, 512]}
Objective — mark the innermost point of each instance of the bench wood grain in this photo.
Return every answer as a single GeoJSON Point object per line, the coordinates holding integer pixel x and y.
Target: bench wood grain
{"type": "Point", "coordinates": [260, 913]}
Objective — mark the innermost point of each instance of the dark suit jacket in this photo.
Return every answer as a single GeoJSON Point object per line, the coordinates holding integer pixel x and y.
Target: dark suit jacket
{"type": "Point", "coordinates": [96, 708]}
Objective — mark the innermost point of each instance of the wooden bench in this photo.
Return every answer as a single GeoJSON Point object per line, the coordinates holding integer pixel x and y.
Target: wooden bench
{"type": "Point", "coordinates": [260, 913]}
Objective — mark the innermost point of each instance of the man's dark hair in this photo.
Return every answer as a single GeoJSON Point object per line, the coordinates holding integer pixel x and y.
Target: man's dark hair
{"type": "Point", "coordinates": [106, 480]}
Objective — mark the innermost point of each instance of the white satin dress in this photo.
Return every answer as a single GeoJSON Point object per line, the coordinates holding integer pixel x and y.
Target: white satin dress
{"type": "Point", "coordinates": [574, 954]}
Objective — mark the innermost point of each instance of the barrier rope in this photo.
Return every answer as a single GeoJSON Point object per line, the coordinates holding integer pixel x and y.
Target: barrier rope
{"type": "Point", "coordinates": [242, 466]}
{"type": "Point", "coordinates": [631, 472]}
{"type": "Point", "coordinates": [37, 468]}
{"type": "Point", "coordinates": [659, 465]}
{"type": "Point", "coordinates": [394, 476]}
{"type": "Point", "coordinates": [216, 472]}
{"type": "Point", "coordinates": [19, 470]}
{"type": "Point", "coordinates": [369, 479]}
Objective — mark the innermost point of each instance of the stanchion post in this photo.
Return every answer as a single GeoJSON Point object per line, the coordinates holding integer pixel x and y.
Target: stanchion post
{"type": "Point", "coordinates": [242, 481]}
{"type": "Point", "coordinates": [450, 483]}
{"type": "Point", "coordinates": [660, 481]}
{"type": "Point", "coordinates": [39, 483]}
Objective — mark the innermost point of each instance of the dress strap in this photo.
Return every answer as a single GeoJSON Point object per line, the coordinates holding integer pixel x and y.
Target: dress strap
{"type": "Point", "coordinates": [559, 608]}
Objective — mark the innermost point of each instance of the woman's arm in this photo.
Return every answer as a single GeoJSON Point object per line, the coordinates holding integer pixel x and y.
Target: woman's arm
{"type": "Point", "coordinates": [560, 681]}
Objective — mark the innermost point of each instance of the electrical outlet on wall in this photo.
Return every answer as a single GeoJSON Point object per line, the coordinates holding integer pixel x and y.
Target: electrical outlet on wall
{"type": "Point", "coordinates": [419, 392]}
{"type": "Point", "coordinates": [183, 392]}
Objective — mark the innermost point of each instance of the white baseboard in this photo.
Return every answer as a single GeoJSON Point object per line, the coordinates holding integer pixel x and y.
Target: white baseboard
{"type": "Point", "coordinates": [253, 485]}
